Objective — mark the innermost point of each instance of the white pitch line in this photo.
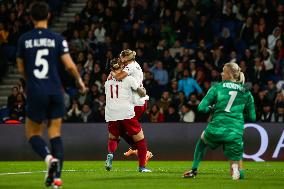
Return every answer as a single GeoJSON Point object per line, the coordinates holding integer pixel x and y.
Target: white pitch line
{"type": "Point", "coordinates": [69, 170]}
{"type": "Point", "coordinates": [22, 173]}
{"type": "Point", "coordinates": [31, 172]}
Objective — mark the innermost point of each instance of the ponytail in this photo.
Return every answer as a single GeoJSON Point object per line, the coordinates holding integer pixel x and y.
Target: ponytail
{"type": "Point", "coordinates": [236, 72]}
{"type": "Point", "coordinates": [241, 78]}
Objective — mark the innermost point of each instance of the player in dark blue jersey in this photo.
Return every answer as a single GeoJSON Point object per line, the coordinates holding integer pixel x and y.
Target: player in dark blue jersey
{"type": "Point", "coordinates": [39, 54]}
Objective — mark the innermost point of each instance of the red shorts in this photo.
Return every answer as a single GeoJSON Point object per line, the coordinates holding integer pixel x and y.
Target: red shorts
{"type": "Point", "coordinates": [130, 126]}
{"type": "Point", "coordinates": [139, 110]}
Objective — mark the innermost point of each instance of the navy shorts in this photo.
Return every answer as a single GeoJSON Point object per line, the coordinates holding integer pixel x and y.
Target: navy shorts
{"type": "Point", "coordinates": [42, 107]}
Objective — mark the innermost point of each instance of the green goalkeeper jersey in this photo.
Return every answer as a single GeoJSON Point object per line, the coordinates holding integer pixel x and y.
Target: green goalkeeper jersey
{"type": "Point", "coordinates": [230, 104]}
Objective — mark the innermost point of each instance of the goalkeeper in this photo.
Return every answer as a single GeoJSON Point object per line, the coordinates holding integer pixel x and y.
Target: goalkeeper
{"type": "Point", "coordinates": [230, 104]}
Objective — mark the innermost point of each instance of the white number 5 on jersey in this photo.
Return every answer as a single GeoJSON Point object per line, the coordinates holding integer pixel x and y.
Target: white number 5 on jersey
{"type": "Point", "coordinates": [40, 61]}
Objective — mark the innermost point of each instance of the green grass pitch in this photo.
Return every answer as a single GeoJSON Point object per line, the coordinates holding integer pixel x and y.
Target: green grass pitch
{"type": "Point", "coordinates": [166, 175]}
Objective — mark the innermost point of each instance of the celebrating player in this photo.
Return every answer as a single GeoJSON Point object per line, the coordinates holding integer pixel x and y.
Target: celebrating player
{"type": "Point", "coordinates": [119, 113]}
{"type": "Point", "coordinates": [230, 104]}
{"type": "Point", "coordinates": [132, 68]}
{"type": "Point", "coordinates": [38, 57]}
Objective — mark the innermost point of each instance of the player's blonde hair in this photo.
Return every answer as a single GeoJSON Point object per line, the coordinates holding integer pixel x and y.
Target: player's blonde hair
{"type": "Point", "coordinates": [236, 72]}
{"type": "Point", "coordinates": [128, 54]}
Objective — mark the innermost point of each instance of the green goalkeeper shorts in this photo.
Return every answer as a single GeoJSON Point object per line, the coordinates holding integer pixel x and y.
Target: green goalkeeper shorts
{"type": "Point", "coordinates": [232, 143]}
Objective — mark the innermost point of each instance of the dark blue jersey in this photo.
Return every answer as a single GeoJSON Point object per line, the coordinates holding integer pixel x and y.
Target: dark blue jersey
{"type": "Point", "coordinates": [40, 50]}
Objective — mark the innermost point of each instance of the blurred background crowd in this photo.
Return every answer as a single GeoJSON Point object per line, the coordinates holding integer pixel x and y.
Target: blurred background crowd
{"type": "Point", "coordinates": [181, 46]}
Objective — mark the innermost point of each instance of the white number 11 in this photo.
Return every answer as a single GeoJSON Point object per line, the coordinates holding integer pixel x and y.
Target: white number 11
{"type": "Point", "coordinates": [233, 95]}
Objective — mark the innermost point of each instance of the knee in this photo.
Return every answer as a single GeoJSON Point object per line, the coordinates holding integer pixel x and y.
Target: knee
{"type": "Point", "coordinates": [31, 133]}
{"type": "Point", "coordinates": [138, 137]}
{"type": "Point", "coordinates": [113, 137]}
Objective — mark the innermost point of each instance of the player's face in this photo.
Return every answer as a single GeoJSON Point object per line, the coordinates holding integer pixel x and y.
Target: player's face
{"type": "Point", "coordinates": [124, 60]}
{"type": "Point", "coordinates": [226, 75]}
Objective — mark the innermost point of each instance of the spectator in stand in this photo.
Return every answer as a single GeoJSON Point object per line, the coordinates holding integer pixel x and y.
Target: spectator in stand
{"type": "Point", "coordinates": [77, 44]}
{"type": "Point", "coordinates": [94, 92]}
{"type": "Point", "coordinates": [278, 50]}
{"type": "Point", "coordinates": [181, 100]}
{"type": "Point", "coordinates": [279, 99]}
{"type": "Point", "coordinates": [151, 86]}
{"type": "Point", "coordinates": [173, 89]}
{"type": "Point", "coordinates": [12, 99]}
{"type": "Point", "coordinates": [73, 115]}
{"type": "Point", "coordinates": [258, 71]}
{"type": "Point", "coordinates": [100, 33]}
{"type": "Point", "coordinates": [266, 114]}
{"type": "Point", "coordinates": [193, 102]}
{"type": "Point", "coordinates": [155, 114]}
{"type": "Point", "coordinates": [188, 85]}
{"type": "Point", "coordinates": [165, 101]}
{"type": "Point", "coordinates": [168, 61]}
{"type": "Point", "coordinates": [272, 38]}
{"type": "Point", "coordinates": [172, 115]}
{"type": "Point", "coordinates": [278, 116]}
{"type": "Point", "coordinates": [187, 115]}
{"type": "Point", "coordinates": [270, 91]}
{"type": "Point", "coordinates": [178, 71]}
{"type": "Point", "coordinates": [192, 68]}
{"type": "Point", "coordinates": [3, 34]}
{"type": "Point", "coordinates": [160, 75]}
{"type": "Point", "coordinates": [86, 114]}
{"type": "Point", "coordinates": [18, 110]}
{"type": "Point", "coordinates": [89, 64]}
{"type": "Point", "coordinates": [98, 103]}
{"type": "Point", "coordinates": [97, 72]}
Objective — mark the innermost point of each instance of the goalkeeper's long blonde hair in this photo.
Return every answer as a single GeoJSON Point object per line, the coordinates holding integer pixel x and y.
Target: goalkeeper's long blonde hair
{"type": "Point", "coordinates": [236, 72]}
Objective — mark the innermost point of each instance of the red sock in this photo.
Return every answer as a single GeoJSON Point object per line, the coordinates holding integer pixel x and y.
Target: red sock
{"type": "Point", "coordinates": [112, 145]}
{"type": "Point", "coordinates": [142, 151]}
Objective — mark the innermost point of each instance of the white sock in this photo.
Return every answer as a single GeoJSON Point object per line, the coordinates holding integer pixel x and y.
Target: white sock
{"type": "Point", "coordinates": [48, 158]}
{"type": "Point", "coordinates": [236, 173]}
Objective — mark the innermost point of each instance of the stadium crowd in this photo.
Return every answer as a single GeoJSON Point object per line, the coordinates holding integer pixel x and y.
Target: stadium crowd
{"type": "Point", "coordinates": [181, 46]}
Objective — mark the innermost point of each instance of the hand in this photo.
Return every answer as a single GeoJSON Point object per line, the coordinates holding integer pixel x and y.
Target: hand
{"type": "Point", "coordinates": [109, 77]}
{"type": "Point", "coordinates": [82, 88]}
{"type": "Point", "coordinates": [112, 73]}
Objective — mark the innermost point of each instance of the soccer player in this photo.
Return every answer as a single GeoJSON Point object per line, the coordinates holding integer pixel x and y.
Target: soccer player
{"type": "Point", "coordinates": [119, 113]}
{"type": "Point", "coordinates": [39, 54]}
{"type": "Point", "coordinates": [230, 103]}
{"type": "Point", "coordinates": [132, 68]}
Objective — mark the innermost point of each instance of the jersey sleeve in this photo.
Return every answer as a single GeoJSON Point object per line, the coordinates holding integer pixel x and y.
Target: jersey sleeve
{"type": "Point", "coordinates": [131, 81]}
{"type": "Point", "coordinates": [208, 100]}
{"type": "Point", "coordinates": [20, 48]}
{"type": "Point", "coordinates": [249, 111]}
{"type": "Point", "coordinates": [127, 69]}
{"type": "Point", "coordinates": [63, 46]}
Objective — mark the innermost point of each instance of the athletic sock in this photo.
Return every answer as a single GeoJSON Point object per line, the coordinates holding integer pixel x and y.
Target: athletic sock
{"type": "Point", "coordinates": [57, 152]}
{"type": "Point", "coordinates": [242, 173]}
{"type": "Point", "coordinates": [39, 146]}
{"type": "Point", "coordinates": [112, 145]}
{"type": "Point", "coordinates": [199, 152]}
{"type": "Point", "coordinates": [142, 151]}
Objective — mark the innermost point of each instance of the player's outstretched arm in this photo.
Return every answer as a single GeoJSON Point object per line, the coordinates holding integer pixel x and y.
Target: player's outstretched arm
{"type": "Point", "coordinates": [119, 76]}
{"type": "Point", "coordinates": [72, 69]}
{"type": "Point", "coordinates": [21, 67]}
